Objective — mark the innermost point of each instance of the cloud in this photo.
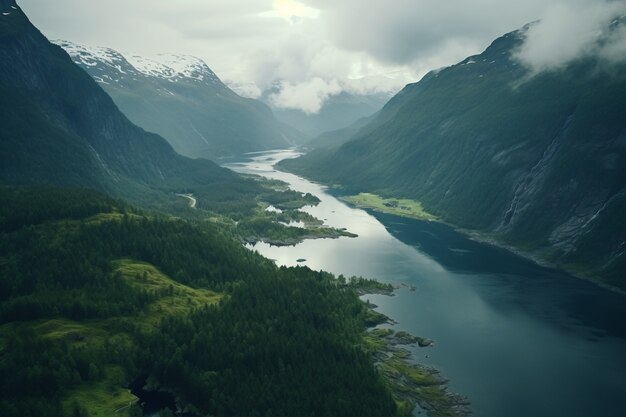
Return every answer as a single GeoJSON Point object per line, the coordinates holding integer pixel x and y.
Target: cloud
{"type": "Point", "coordinates": [308, 96]}
{"type": "Point", "coordinates": [403, 31]}
{"type": "Point", "coordinates": [614, 50]}
{"type": "Point", "coordinates": [567, 32]}
{"type": "Point", "coordinates": [362, 46]}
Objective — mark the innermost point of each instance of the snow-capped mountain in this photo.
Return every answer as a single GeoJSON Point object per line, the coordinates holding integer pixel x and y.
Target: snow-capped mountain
{"type": "Point", "coordinates": [174, 67]}
{"type": "Point", "coordinates": [183, 100]}
{"type": "Point", "coordinates": [117, 67]}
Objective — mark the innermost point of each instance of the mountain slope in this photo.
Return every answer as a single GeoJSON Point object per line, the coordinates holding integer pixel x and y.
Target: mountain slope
{"type": "Point", "coordinates": [60, 128]}
{"type": "Point", "coordinates": [336, 138]}
{"type": "Point", "coordinates": [181, 99]}
{"type": "Point", "coordinates": [337, 112]}
{"type": "Point", "coordinates": [539, 163]}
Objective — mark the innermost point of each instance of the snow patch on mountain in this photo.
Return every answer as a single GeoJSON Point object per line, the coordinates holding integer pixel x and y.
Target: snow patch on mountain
{"type": "Point", "coordinates": [91, 56]}
{"type": "Point", "coordinates": [151, 67]}
{"type": "Point", "coordinates": [171, 67]}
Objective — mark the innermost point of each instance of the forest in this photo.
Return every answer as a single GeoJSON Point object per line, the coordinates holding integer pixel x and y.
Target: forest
{"type": "Point", "coordinates": [95, 294]}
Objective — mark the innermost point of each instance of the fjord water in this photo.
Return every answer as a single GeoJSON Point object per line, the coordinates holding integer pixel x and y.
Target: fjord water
{"type": "Point", "coordinates": [517, 339]}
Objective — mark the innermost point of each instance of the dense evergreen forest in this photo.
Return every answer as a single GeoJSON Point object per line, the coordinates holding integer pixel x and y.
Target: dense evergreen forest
{"type": "Point", "coordinates": [95, 294]}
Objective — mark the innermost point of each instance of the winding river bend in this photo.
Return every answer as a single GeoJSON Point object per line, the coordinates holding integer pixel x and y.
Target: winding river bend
{"type": "Point", "coordinates": [517, 339]}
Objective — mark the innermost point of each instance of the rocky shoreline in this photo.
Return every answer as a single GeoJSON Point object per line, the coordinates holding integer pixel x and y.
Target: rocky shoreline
{"type": "Point", "coordinates": [412, 384]}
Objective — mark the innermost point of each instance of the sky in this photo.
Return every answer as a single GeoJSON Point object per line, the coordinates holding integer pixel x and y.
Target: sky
{"type": "Point", "coordinates": [315, 49]}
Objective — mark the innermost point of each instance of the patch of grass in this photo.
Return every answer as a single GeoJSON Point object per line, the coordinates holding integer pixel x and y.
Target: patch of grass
{"type": "Point", "coordinates": [81, 333]}
{"type": "Point", "coordinates": [109, 217]}
{"type": "Point", "coordinates": [373, 343]}
{"type": "Point", "coordinates": [175, 299]}
{"type": "Point", "coordinates": [404, 408]}
{"type": "Point", "coordinates": [104, 398]}
{"type": "Point", "coordinates": [397, 206]}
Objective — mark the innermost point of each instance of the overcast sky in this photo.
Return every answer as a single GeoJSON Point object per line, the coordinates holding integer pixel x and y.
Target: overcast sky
{"type": "Point", "coordinates": [317, 48]}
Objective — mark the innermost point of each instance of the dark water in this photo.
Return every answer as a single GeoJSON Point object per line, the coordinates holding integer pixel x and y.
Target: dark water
{"type": "Point", "coordinates": [517, 339]}
{"type": "Point", "coordinates": [152, 401]}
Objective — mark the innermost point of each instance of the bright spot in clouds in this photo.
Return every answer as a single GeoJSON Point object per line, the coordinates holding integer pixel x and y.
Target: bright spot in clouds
{"type": "Point", "coordinates": [292, 11]}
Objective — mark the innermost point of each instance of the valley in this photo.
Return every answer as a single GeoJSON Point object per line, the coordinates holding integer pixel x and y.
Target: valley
{"type": "Point", "coordinates": [344, 227]}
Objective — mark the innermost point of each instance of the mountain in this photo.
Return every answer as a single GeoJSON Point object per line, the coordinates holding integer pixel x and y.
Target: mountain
{"type": "Point", "coordinates": [181, 99]}
{"type": "Point", "coordinates": [60, 128]}
{"type": "Point", "coordinates": [537, 161]}
{"type": "Point", "coordinates": [338, 111]}
{"type": "Point", "coordinates": [336, 138]}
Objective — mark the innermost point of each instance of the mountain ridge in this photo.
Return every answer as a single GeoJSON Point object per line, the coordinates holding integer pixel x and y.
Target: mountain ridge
{"type": "Point", "coordinates": [60, 128]}
{"type": "Point", "coordinates": [182, 99]}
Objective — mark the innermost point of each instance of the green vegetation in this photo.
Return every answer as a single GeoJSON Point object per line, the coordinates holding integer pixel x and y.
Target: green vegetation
{"type": "Point", "coordinates": [179, 299]}
{"type": "Point", "coordinates": [102, 398]}
{"type": "Point", "coordinates": [276, 226]}
{"type": "Point", "coordinates": [94, 294]}
{"type": "Point", "coordinates": [367, 286]}
{"type": "Point", "coordinates": [412, 383]}
{"type": "Point", "coordinates": [400, 207]}
{"type": "Point", "coordinates": [266, 230]}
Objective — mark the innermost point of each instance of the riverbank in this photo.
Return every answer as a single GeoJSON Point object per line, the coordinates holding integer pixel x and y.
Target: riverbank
{"type": "Point", "coordinates": [489, 239]}
{"type": "Point", "coordinates": [412, 385]}
{"type": "Point", "coordinates": [413, 209]}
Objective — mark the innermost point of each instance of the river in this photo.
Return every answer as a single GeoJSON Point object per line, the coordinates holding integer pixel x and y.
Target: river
{"type": "Point", "coordinates": [517, 339]}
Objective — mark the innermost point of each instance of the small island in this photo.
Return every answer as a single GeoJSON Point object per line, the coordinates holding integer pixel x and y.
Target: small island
{"type": "Point", "coordinates": [279, 221]}
{"type": "Point", "coordinates": [397, 206]}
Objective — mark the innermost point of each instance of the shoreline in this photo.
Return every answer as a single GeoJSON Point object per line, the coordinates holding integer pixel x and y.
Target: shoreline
{"type": "Point", "coordinates": [412, 384]}
{"type": "Point", "coordinates": [481, 237]}
{"type": "Point", "coordinates": [486, 238]}
{"type": "Point", "coordinates": [292, 241]}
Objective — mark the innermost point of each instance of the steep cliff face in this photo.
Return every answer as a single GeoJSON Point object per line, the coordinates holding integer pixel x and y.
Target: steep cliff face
{"type": "Point", "coordinates": [180, 98]}
{"type": "Point", "coordinates": [59, 127]}
{"type": "Point", "coordinates": [539, 162]}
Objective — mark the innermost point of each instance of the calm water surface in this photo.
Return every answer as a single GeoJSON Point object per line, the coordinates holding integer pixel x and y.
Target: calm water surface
{"type": "Point", "coordinates": [515, 338]}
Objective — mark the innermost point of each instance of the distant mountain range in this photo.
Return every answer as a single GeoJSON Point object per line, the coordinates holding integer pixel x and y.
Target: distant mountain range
{"type": "Point", "coordinates": [180, 98]}
{"type": "Point", "coordinates": [536, 162]}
